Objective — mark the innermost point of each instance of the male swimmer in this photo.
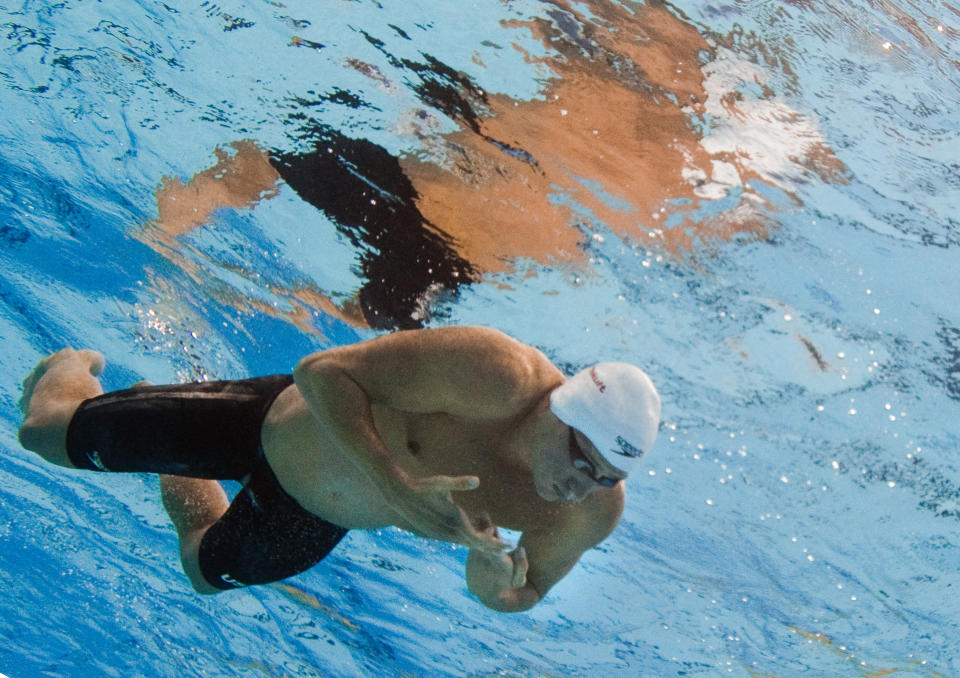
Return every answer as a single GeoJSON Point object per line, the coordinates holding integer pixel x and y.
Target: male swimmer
{"type": "Point", "coordinates": [447, 433]}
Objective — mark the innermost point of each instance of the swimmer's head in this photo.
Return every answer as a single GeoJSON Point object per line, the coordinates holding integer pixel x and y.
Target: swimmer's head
{"type": "Point", "coordinates": [616, 406]}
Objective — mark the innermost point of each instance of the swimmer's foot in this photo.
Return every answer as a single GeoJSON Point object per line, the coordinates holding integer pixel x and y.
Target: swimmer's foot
{"type": "Point", "coordinates": [65, 364]}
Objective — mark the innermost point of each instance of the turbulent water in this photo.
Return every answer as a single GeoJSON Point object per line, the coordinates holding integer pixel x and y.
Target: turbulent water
{"type": "Point", "coordinates": [755, 201]}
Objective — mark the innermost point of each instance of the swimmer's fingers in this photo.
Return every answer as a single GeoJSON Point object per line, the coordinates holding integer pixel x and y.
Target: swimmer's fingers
{"type": "Point", "coordinates": [481, 536]}
{"type": "Point", "coordinates": [520, 567]}
{"type": "Point", "coordinates": [483, 523]}
{"type": "Point", "coordinates": [432, 512]}
{"type": "Point", "coordinates": [487, 535]}
{"type": "Point", "coordinates": [466, 533]}
{"type": "Point", "coordinates": [447, 484]}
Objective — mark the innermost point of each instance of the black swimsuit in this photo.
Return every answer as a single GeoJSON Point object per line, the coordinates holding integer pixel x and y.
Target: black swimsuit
{"type": "Point", "coordinates": [209, 430]}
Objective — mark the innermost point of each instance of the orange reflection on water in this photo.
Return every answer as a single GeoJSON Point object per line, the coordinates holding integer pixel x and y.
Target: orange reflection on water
{"type": "Point", "coordinates": [621, 111]}
{"type": "Point", "coordinates": [597, 126]}
{"type": "Point", "coordinates": [643, 121]}
{"type": "Point", "coordinates": [240, 179]}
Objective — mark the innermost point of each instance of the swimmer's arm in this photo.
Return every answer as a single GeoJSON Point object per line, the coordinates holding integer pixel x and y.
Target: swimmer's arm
{"type": "Point", "coordinates": [471, 372]}
{"type": "Point", "coordinates": [543, 556]}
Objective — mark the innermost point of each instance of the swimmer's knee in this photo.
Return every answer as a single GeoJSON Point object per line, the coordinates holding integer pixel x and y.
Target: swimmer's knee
{"type": "Point", "coordinates": [47, 440]}
{"type": "Point", "coordinates": [203, 587]}
{"type": "Point", "coordinates": [190, 560]}
{"type": "Point", "coordinates": [30, 437]}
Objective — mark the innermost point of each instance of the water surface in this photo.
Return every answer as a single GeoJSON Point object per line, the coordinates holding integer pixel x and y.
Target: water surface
{"type": "Point", "coordinates": [755, 201]}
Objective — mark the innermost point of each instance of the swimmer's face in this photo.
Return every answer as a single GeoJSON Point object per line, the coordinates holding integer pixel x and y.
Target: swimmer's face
{"type": "Point", "coordinates": [573, 468]}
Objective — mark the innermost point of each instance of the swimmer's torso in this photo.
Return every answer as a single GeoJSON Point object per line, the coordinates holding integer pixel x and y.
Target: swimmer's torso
{"type": "Point", "coordinates": [326, 482]}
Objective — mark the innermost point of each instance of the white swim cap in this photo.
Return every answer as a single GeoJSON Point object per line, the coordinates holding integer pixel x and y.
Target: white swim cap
{"type": "Point", "coordinates": [616, 406]}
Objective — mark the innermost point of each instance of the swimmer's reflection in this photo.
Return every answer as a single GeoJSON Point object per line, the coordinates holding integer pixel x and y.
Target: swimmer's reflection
{"type": "Point", "coordinates": [618, 141]}
{"type": "Point", "coordinates": [362, 189]}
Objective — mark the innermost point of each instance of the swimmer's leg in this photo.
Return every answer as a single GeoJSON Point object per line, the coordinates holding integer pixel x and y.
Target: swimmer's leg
{"type": "Point", "coordinates": [51, 394]}
{"type": "Point", "coordinates": [194, 505]}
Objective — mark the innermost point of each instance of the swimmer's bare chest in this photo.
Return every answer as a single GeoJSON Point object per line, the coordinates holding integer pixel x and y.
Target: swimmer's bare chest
{"type": "Point", "coordinates": [325, 481]}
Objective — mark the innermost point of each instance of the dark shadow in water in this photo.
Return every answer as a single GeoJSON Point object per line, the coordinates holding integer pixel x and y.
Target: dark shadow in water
{"type": "Point", "coordinates": [362, 188]}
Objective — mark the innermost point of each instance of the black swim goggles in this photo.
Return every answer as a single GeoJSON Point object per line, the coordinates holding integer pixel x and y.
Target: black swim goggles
{"type": "Point", "coordinates": [583, 464]}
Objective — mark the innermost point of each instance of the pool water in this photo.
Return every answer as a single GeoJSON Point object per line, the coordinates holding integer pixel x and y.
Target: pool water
{"type": "Point", "coordinates": [757, 202]}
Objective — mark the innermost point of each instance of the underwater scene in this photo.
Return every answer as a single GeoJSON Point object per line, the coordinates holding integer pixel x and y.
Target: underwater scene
{"type": "Point", "coordinates": [757, 202]}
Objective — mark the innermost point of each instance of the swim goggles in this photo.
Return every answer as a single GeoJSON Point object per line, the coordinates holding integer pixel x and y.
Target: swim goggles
{"type": "Point", "coordinates": [584, 465]}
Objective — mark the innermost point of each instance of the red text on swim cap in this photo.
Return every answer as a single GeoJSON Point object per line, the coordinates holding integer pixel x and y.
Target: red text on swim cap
{"type": "Point", "coordinates": [596, 380]}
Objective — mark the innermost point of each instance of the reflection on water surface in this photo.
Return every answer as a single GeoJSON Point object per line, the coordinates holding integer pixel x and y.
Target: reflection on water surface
{"type": "Point", "coordinates": [646, 126]}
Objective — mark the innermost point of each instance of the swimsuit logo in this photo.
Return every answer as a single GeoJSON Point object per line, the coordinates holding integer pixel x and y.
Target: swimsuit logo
{"type": "Point", "coordinates": [230, 580]}
{"type": "Point", "coordinates": [596, 380]}
{"type": "Point", "coordinates": [626, 449]}
{"type": "Point", "coordinates": [95, 459]}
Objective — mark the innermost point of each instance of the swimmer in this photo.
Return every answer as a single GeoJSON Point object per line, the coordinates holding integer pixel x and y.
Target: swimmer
{"type": "Point", "coordinates": [447, 433]}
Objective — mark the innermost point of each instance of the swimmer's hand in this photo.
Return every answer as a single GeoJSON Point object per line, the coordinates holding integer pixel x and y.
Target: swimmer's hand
{"type": "Point", "coordinates": [499, 579]}
{"type": "Point", "coordinates": [429, 509]}
{"type": "Point", "coordinates": [502, 571]}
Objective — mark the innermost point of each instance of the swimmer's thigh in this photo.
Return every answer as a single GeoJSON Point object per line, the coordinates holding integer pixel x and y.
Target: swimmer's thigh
{"type": "Point", "coordinates": [264, 536]}
{"type": "Point", "coordinates": [201, 430]}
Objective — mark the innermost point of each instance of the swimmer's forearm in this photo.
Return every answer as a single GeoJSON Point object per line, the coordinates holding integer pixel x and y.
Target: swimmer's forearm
{"type": "Point", "coordinates": [342, 409]}
{"type": "Point", "coordinates": [515, 600]}
{"type": "Point", "coordinates": [512, 600]}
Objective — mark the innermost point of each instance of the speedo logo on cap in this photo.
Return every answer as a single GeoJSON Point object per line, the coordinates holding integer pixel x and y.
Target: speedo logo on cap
{"type": "Point", "coordinates": [598, 382]}
{"type": "Point", "coordinates": [626, 449]}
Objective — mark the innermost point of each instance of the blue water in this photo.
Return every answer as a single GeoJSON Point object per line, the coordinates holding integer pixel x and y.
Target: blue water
{"type": "Point", "coordinates": [801, 515]}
